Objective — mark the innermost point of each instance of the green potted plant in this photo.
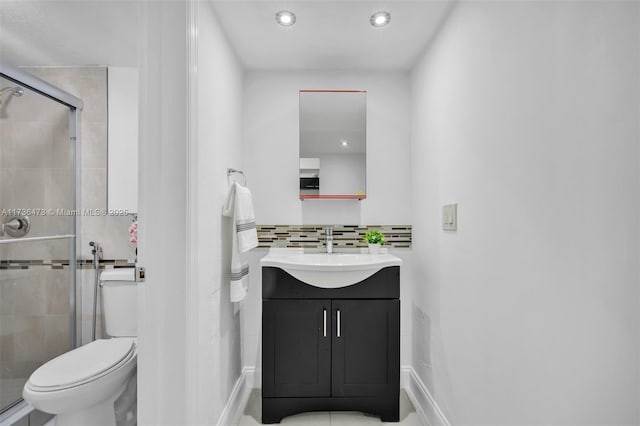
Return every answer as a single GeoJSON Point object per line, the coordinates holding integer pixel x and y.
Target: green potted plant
{"type": "Point", "coordinates": [375, 239]}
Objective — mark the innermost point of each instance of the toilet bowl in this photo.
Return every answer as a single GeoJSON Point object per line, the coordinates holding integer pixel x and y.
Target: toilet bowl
{"type": "Point", "coordinates": [81, 386]}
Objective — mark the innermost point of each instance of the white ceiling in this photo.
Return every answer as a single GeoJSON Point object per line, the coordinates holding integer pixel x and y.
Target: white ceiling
{"type": "Point", "coordinates": [330, 34]}
{"type": "Point", "coordinates": [327, 35]}
{"type": "Point", "coordinates": [52, 32]}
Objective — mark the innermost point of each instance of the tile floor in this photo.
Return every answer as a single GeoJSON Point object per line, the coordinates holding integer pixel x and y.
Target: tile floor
{"type": "Point", "coordinates": [408, 415]}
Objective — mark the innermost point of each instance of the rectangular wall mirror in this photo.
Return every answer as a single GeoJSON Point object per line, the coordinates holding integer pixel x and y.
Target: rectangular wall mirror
{"type": "Point", "coordinates": [333, 144]}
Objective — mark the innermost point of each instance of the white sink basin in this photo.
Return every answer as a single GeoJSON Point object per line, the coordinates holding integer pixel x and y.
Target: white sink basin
{"type": "Point", "coordinates": [329, 270]}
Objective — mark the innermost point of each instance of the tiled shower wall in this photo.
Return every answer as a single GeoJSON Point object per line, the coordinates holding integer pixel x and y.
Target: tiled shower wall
{"type": "Point", "coordinates": [35, 172]}
{"type": "Point", "coordinates": [34, 325]}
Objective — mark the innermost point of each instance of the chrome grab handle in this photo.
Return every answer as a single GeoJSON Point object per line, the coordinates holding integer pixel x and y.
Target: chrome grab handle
{"type": "Point", "coordinates": [338, 327]}
{"type": "Point", "coordinates": [324, 329]}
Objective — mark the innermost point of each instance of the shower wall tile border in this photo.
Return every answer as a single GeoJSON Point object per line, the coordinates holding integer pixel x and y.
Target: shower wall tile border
{"type": "Point", "coordinates": [344, 236]}
{"type": "Point", "coordinates": [63, 264]}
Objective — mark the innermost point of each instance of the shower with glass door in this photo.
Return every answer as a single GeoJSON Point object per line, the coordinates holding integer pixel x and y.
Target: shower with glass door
{"type": "Point", "coordinates": [39, 187]}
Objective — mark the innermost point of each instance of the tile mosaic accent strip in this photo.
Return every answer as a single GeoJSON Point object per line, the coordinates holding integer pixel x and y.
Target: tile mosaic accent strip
{"type": "Point", "coordinates": [61, 264]}
{"type": "Point", "coordinates": [344, 236]}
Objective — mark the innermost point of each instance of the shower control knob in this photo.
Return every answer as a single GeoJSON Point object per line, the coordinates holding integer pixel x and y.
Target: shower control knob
{"type": "Point", "coordinates": [16, 226]}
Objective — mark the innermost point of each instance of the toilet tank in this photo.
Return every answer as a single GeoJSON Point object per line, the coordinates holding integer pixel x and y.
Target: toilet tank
{"type": "Point", "coordinates": [120, 302]}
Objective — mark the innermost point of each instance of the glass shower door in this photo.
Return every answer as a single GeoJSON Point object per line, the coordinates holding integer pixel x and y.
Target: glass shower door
{"type": "Point", "coordinates": [37, 268]}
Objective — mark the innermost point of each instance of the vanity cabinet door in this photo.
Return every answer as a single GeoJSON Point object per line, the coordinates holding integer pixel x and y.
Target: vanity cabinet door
{"type": "Point", "coordinates": [366, 348]}
{"type": "Point", "coordinates": [296, 340]}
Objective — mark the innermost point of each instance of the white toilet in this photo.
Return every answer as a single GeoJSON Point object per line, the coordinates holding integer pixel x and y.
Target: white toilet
{"type": "Point", "coordinates": [81, 386]}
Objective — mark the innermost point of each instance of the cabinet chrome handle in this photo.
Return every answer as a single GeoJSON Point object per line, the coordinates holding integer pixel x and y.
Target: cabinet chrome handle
{"type": "Point", "coordinates": [324, 328]}
{"type": "Point", "coordinates": [338, 327]}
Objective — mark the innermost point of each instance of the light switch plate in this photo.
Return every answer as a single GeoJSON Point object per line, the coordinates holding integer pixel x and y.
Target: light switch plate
{"type": "Point", "coordinates": [450, 217]}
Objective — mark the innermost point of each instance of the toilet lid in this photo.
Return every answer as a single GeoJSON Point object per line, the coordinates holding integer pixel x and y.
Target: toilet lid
{"type": "Point", "coordinates": [82, 364]}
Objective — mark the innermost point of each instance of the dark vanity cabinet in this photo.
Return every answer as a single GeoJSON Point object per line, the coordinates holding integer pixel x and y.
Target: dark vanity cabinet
{"type": "Point", "coordinates": [330, 349]}
{"type": "Point", "coordinates": [295, 348]}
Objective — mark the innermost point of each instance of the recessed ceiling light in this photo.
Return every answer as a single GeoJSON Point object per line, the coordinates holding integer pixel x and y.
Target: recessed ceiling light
{"type": "Point", "coordinates": [344, 144]}
{"type": "Point", "coordinates": [380, 19]}
{"type": "Point", "coordinates": [285, 18]}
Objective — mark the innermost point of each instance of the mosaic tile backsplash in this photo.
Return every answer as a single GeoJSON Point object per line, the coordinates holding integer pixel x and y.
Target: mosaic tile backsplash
{"type": "Point", "coordinates": [344, 236]}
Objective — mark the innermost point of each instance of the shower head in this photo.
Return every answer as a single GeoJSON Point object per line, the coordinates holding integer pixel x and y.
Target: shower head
{"type": "Point", "coordinates": [16, 91]}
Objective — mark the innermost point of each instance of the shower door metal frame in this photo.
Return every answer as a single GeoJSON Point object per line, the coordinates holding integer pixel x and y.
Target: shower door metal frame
{"type": "Point", "coordinates": [75, 105]}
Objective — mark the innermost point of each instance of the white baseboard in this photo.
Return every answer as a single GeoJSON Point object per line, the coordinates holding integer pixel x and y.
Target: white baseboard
{"type": "Point", "coordinates": [238, 399]}
{"type": "Point", "coordinates": [424, 403]}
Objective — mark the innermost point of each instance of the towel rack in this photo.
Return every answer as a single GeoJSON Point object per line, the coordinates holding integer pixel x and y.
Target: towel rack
{"type": "Point", "coordinates": [231, 171]}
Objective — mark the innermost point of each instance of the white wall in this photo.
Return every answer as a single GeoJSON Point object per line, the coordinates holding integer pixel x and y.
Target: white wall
{"type": "Point", "coordinates": [122, 160]}
{"type": "Point", "coordinates": [191, 94]}
{"type": "Point", "coordinates": [271, 162]}
{"type": "Point", "coordinates": [526, 114]}
{"type": "Point", "coordinates": [219, 100]}
{"type": "Point", "coordinates": [271, 152]}
{"type": "Point", "coordinates": [163, 154]}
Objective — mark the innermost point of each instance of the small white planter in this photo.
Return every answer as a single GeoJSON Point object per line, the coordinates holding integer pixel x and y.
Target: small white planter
{"type": "Point", "coordinates": [374, 248]}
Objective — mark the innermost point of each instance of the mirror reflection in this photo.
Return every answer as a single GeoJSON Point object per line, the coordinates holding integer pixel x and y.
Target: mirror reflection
{"type": "Point", "coordinates": [333, 140]}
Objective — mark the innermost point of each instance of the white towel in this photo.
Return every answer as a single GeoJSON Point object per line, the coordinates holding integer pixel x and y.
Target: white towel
{"type": "Point", "coordinates": [239, 206]}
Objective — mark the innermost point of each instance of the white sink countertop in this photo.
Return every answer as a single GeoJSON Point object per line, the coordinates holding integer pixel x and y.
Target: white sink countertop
{"type": "Point", "coordinates": [328, 270]}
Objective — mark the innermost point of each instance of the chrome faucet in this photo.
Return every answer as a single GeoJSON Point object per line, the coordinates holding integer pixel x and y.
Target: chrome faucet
{"type": "Point", "coordinates": [329, 232]}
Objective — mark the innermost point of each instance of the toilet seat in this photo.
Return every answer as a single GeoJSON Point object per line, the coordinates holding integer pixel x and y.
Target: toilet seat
{"type": "Point", "coordinates": [82, 365]}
